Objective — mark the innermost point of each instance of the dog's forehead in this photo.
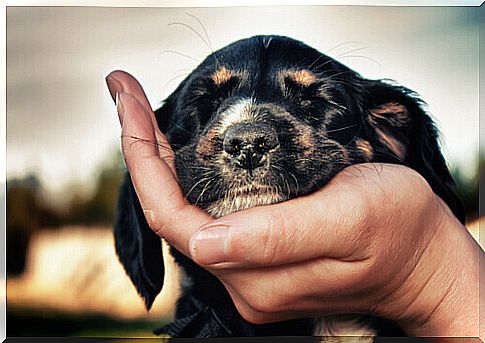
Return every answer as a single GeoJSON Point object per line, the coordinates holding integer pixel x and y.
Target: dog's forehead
{"type": "Point", "coordinates": [266, 57]}
{"type": "Point", "coordinates": [237, 79]}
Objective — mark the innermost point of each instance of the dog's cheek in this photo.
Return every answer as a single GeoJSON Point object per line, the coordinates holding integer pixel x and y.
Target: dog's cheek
{"type": "Point", "coordinates": [207, 146]}
{"type": "Point", "coordinates": [187, 167]}
{"type": "Point", "coordinates": [324, 160]}
{"type": "Point", "coordinates": [306, 142]}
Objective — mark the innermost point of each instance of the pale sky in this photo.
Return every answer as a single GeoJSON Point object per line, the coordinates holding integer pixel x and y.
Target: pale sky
{"type": "Point", "coordinates": [61, 122]}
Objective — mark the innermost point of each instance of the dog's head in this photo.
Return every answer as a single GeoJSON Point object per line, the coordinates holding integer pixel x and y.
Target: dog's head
{"type": "Point", "coordinates": [269, 118]}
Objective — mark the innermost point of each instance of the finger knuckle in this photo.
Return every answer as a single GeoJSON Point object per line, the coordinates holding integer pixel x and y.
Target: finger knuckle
{"type": "Point", "coordinates": [251, 314]}
{"type": "Point", "coordinates": [274, 232]}
{"type": "Point", "coordinates": [261, 299]}
{"type": "Point", "coordinates": [155, 222]}
{"type": "Point", "coordinates": [360, 215]}
{"type": "Point", "coordinates": [253, 317]}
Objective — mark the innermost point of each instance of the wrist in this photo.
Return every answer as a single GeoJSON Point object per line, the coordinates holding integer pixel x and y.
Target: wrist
{"type": "Point", "coordinates": [445, 283]}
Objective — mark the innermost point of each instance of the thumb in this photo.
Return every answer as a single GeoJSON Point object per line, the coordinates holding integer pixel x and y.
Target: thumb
{"type": "Point", "coordinates": [167, 211]}
{"type": "Point", "coordinates": [327, 223]}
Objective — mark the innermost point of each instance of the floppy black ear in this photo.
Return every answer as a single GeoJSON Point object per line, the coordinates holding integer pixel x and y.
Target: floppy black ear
{"type": "Point", "coordinates": [138, 247]}
{"type": "Point", "coordinates": [404, 132]}
{"type": "Point", "coordinates": [163, 115]}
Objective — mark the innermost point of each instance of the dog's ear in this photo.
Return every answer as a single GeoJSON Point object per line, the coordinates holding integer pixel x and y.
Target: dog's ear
{"type": "Point", "coordinates": [138, 247]}
{"type": "Point", "coordinates": [163, 114]}
{"type": "Point", "coordinates": [406, 134]}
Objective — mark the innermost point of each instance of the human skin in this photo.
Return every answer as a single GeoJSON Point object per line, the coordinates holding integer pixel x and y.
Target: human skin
{"type": "Point", "coordinates": [375, 239]}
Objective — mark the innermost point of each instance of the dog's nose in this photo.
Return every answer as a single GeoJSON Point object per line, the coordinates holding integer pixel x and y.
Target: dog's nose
{"type": "Point", "coordinates": [249, 144]}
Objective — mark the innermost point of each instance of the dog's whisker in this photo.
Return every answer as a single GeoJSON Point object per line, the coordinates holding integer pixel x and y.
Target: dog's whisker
{"type": "Point", "coordinates": [209, 43]}
{"type": "Point", "coordinates": [193, 187]}
{"type": "Point", "coordinates": [193, 30]}
{"type": "Point", "coordinates": [334, 76]}
{"type": "Point", "coordinates": [288, 195]}
{"type": "Point", "coordinates": [164, 51]}
{"type": "Point", "coordinates": [345, 127]}
{"type": "Point", "coordinates": [178, 74]}
{"type": "Point", "coordinates": [343, 44]}
{"type": "Point", "coordinates": [364, 57]}
{"type": "Point", "coordinates": [201, 195]}
{"type": "Point", "coordinates": [352, 51]}
{"type": "Point", "coordinates": [315, 61]}
{"type": "Point", "coordinates": [297, 184]}
{"type": "Point", "coordinates": [175, 124]}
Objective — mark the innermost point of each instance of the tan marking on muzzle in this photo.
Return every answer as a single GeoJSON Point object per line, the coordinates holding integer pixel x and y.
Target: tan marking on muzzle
{"type": "Point", "coordinates": [205, 147]}
{"type": "Point", "coordinates": [221, 76]}
{"type": "Point", "coordinates": [306, 141]}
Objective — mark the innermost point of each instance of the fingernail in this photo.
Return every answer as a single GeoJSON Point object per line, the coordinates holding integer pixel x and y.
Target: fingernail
{"type": "Point", "coordinates": [210, 246]}
{"type": "Point", "coordinates": [119, 107]}
{"type": "Point", "coordinates": [114, 86]}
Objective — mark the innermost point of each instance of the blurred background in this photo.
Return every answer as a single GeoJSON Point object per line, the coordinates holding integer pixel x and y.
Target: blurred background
{"type": "Point", "coordinates": [63, 161]}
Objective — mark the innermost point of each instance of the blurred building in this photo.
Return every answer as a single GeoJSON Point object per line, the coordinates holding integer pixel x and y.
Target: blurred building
{"type": "Point", "coordinates": [75, 271]}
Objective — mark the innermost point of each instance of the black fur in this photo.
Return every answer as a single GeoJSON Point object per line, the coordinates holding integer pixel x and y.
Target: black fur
{"type": "Point", "coordinates": [138, 246]}
{"type": "Point", "coordinates": [338, 107]}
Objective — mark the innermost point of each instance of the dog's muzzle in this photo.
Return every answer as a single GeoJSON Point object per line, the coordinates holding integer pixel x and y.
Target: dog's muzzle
{"type": "Point", "coordinates": [249, 144]}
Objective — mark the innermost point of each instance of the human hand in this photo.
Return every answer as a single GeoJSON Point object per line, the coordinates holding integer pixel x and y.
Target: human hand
{"type": "Point", "coordinates": [375, 239]}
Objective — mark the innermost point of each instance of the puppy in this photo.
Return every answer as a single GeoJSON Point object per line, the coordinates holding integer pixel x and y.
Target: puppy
{"type": "Point", "coordinates": [261, 121]}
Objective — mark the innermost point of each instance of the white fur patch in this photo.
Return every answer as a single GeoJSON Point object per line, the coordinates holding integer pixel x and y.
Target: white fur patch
{"type": "Point", "coordinates": [239, 112]}
{"type": "Point", "coordinates": [234, 202]}
{"type": "Point", "coordinates": [343, 329]}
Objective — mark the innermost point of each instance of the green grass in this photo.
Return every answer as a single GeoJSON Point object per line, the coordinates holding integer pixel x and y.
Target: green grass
{"type": "Point", "coordinates": [48, 323]}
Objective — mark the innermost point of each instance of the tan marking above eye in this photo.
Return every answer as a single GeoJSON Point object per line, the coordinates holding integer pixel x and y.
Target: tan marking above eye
{"type": "Point", "coordinates": [306, 141]}
{"type": "Point", "coordinates": [365, 147]}
{"type": "Point", "coordinates": [303, 77]}
{"type": "Point", "coordinates": [396, 114]}
{"type": "Point", "coordinates": [221, 76]}
{"type": "Point", "coordinates": [397, 147]}
{"type": "Point", "coordinates": [387, 118]}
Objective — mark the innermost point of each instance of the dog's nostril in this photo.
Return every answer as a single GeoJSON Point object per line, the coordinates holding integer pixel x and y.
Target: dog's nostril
{"type": "Point", "coordinates": [233, 146]}
{"type": "Point", "coordinates": [264, 144]}
{"type": "Point", "coordinates": [249, 144]}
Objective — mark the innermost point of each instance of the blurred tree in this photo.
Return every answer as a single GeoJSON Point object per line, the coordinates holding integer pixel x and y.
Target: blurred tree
{"type": "Point", "coordinates": [100, 207]}
{"type": "Point", "coordinates": [27, 210]}
{"type": "Point", "coordinates": [22, 219]}
{"type": "Point", "coordinates": [468, 188]}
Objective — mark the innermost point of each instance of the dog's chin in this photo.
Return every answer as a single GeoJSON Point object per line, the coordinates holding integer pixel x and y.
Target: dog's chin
{"type": "Point", "coordinates": [243, 198]}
